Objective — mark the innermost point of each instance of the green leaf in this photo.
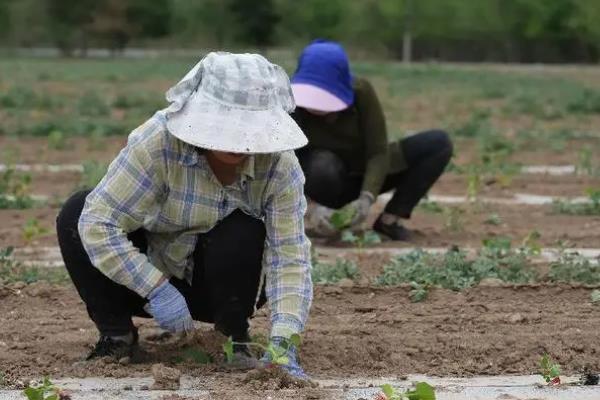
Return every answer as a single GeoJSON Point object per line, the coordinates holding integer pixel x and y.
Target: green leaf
{"type": "Point", "coordinates": [295, 340]}
{"type": "Point", "coordinates": [371, 237]}
{"type": "Point", "coordinates": [33, 393]}
{"type": "Point", "coordinates": [349, 237]}
{"type": "Point", "coordinates": [282, 360]}
{"type": "Point", "coordinates": [388, 390]}
{"type": "Point", "coordinates": [342, 218]}
{"type": "Point", "coordinates": [228, 349]}
{"type": "Point", "coordinates": [423, 391]}
{"type": "Point", "coordinates": [595, 296]}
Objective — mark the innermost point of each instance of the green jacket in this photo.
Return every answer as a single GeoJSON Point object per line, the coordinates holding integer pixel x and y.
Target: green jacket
{"type": "Point", "coordinates": [358, 135]}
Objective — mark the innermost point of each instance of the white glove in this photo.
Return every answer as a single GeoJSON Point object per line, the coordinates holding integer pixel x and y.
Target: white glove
{"type": "Point", "coordinates": [318, 221]}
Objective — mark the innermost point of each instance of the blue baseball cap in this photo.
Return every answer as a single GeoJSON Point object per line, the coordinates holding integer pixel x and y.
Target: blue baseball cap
{"type": "Point", "coordinates": [322, 80]}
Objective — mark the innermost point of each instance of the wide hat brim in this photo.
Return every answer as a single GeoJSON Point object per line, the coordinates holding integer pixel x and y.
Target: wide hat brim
{"type": "Point", "coordinates": [313, 97]}
{"type": "Point", "coordinates": [207, 123]}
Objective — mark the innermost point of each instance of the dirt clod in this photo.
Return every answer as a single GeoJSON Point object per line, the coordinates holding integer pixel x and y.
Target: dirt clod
{"type": "Point", "coordinates": [274, 379]}
{"type": "Point", "coordinates": [165, 378]}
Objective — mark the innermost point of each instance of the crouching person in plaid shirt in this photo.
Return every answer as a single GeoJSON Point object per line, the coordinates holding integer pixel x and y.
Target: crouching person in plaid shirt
{"type": "Point", "coordinates": [200, 216]}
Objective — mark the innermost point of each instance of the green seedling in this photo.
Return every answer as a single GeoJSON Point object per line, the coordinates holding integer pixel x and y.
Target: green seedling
{"type": "Point", "coordinates": [549, 370]}
{"type": "Point", "coordinates": [323, 273]}
{"type": "Point", "coordinates": [277, 354]}
{"type": "Point", "coordinates": [595, 296]}
{"type": "Point", "coordinates": [592, 207]}
{"type": "Point", "coordinates": [32, 230]}
{"type": "Point", "coordinates": [362, 240]}
{"type": "Point", "coordinates": [473, 183]}
{"type": "Point", "coordinates": [342, 219]}
{"type": "Point", "coordinates": [584, 162]}
{"type": "Point", "coordinates": [531, 243]}
{"type": "Point", "coordinates": [45, 391]}
{"type": "Point", "coordinates": [93, 172]}
{"type": "Point", "coordinates": [431, 207]}
{"type": "Point", "coordinates": [453, 218]}
{"type": "Point", "coordinates": [456, 271]}
{"type": "Point", "coordinates": [14, 190]}
{"type": "Point", "coordinates": [493, 219]}
{"type": "Point", "coordinates": [57, 140]}
{"type": "Point", "coordinates": [422, 391]}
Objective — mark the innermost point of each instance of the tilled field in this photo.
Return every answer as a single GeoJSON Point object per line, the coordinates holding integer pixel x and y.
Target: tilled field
{"type": "Point", "coordinates": [356, 329]}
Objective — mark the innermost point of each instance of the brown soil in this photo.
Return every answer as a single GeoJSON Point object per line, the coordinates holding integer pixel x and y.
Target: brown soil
{"type": "Point", "coordinates": [165, 378]}
{"type": "Point", "coordinates": [274, 379]}
{"type": "Point", "coordinates": [356, 331]}
{"type": "Point", "coordinates": [430, 230]}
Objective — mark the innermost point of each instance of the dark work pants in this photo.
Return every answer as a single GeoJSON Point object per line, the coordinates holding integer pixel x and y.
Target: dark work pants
{"type": "Point", "coordinates": [226, 277]}
{"type": "Point", "coordinates": [328, 181]}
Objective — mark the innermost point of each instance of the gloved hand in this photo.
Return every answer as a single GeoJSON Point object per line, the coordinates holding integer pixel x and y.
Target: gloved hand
{"type": "Point", "coordinates": [318, 221]}
{"type": "Point", "coordinates": [168, 307]}
{"type": "Point", "coordinates": [361, 207]}
{"type": "Point", "coordinates": [292, 367]}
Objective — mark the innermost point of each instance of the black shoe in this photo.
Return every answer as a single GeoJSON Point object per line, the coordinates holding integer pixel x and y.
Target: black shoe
{"type": "Point", "coordinates": [110, 347]}
{"type": "Point", "coordinates": [394, 231]}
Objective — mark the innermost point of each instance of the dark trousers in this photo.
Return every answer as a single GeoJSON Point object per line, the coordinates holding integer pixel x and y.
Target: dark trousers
{"type": "Point", "coordinates": [226, 277]}
{"type": "Point", "coordinates": [328, 181]}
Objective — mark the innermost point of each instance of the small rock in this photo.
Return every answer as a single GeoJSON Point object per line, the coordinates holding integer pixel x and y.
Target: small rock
{"type": "Point", "coordinates": [346, 283]}
{"type": "Point", "coordinates": [125, 360]}
{"type": "Point", "coordinates": [516, 318]}
{"type": "Point", "coordinates": [491, 282]}
{"type": "Point", "coordinates": [332, 290]}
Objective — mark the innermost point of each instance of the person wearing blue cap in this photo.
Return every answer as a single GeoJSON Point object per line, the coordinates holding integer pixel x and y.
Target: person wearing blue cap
{"type": "Point", "coordinates": [349, 160]}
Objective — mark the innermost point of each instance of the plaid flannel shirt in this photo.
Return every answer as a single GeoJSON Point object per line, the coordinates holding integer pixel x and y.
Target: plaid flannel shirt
{"type": "Point", "coordinates": [166, 187]}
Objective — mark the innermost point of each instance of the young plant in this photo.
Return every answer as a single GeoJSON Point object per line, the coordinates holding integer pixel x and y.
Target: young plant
{"type": "Point", "coordinates": [362, 240]}
{"type": "Point", "coordinates": [549, 370]}
{"type": "Point", "coordinates": [493, 219]}
{"type": "Point", "coordinates": [45, 391]}
{"type": "Point", "coordinates": [595, 296]}
{"type": "Point", "coordinates": [453, 218]}
{"type": "Point", "coordinates": [93, 172]}
{"type": "Point", "coordinates": [277, 354]}
{"type": "Point", "coordinates": [342, 219]}
{"type": "Point", "coordinates": [422, 391]}
{"type": "Point", "coordinates": [32, 230]}
{"type": "Point", "coordinates": [531, 243]}
{"type": "Point", "coordinates": [592, 207]}
{"type": "Point", "coordinates": [333, 273]}
{"type": "Point", "coordinates": [57, 140]}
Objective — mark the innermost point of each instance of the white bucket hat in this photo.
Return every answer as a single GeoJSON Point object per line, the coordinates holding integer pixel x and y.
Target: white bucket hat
{"type": "Point", "coordinates": [236, 103]}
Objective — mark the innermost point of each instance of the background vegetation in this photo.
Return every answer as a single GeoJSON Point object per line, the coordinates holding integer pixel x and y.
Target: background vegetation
{"type": "Point", "coordinates": [457, 30]}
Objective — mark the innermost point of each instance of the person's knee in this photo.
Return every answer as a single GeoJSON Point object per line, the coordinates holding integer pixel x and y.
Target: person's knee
{"type": "Point", "coordinates": [324, 171]}
{"type": "Point", "coordinates": [440, 140]}
{"type": "Point", "coordinates": [69, 214]}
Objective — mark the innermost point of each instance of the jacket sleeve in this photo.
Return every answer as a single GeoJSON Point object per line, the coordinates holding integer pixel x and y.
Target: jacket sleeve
{"type": "Point", "coordinates": [116, 207]}
{"type": "Point", "coordinates": [287, 252]}
{"type": "Point", "coordinates": [373, 129]}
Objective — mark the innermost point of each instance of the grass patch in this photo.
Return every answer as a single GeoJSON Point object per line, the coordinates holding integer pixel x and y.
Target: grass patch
{"type": "Point", "coordinates": [455, 270]}
{"type": "Point", "coordinates": [323, 273]}
{"type": "Point", "coordinates": [571, 208]}
{"type": "Point", "coordinates": [12, 271]}
{"type": "Point", "coordinates": [573, 267]}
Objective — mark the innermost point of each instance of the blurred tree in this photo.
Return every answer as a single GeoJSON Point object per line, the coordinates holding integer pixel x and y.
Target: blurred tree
{"type": "Point", "coordinates": [255, 21]}
{"type": "Point", "coordinates": [67, 22]}
{"type": "Point", "coordinates": [202, 22]}
{"type": "Point", "coordinates": [4, 18]}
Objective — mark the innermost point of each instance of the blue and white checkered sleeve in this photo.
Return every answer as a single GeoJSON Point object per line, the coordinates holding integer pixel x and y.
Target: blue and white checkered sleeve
{"type": "Point", "coordinates": [287, 254]}
{"type": "Point", "coordinates": [116, 207]}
